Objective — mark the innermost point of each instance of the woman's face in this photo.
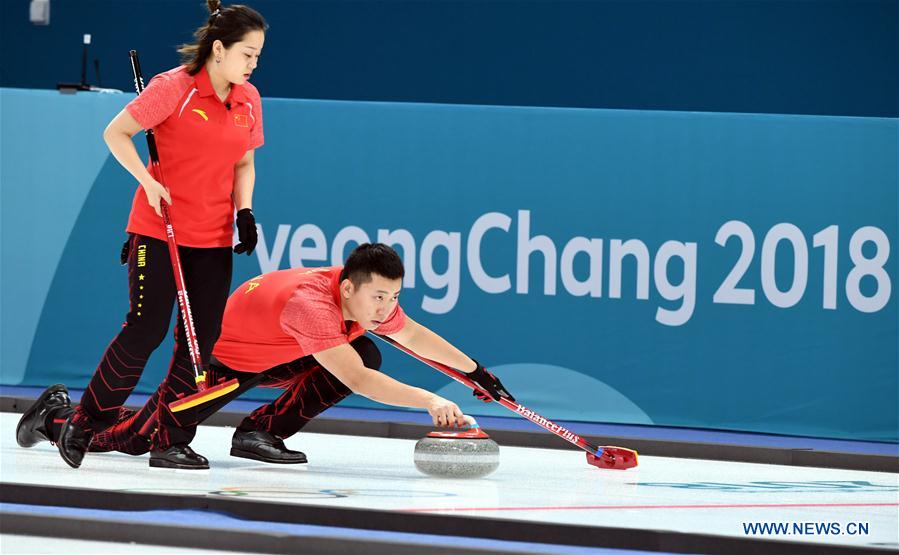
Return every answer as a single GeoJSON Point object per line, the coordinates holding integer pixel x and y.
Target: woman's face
{"type": "Point", "coordinates": [239, 61]}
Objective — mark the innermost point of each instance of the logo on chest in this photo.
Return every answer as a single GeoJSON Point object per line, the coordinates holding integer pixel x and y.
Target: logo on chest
{"type": "Point", "coordinates": [241, 120]}
{"type": "Point", "coordinates": [253, 284]}
{"type": "Point", "coordinates": [201, 113]}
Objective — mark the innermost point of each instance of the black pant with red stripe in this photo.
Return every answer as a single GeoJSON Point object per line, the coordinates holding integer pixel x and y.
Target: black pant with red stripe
{"type": "Point", "coordinates": [207, 276]}
{"type": "Point", "coordinates": [309, 390]}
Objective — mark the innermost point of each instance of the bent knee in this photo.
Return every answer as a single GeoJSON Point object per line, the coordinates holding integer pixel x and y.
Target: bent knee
{"type": "Point", "coordinates": [368, 351]}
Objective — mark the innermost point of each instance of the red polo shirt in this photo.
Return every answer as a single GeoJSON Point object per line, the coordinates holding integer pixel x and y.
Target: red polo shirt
{"type": "Point", "coordinates": [282, 316]}
{"type": "Point", "coordinates": [199, 141]}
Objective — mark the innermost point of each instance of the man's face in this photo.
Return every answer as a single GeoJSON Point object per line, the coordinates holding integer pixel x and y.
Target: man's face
{"type": "Point", "coordinates": [372, 302]}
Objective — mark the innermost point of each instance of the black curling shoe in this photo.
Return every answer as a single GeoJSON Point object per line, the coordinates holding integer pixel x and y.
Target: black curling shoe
{"type": "Point", "coordinates": [32, 427]}
{"type": "Point", "coordinates": [73, 443]}
{"type": "Point", "coordinates": [262, 446]}
{"type": "Point", "coordinates": [178, 456]}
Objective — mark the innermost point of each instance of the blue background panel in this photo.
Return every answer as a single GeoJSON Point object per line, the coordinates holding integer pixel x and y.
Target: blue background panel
{"type": "Point", "coordinates": [477, 189]}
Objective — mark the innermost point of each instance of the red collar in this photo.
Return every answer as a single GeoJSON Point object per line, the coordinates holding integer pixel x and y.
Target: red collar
{"type": "Point", "coordinates": [338, 298]}
{"type": "Point", "coordinates": [204, 87]}
{"type": "Point", "coordinates": [335, 286]}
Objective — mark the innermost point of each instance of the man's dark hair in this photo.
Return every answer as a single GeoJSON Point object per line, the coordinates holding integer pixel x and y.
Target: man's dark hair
{"type": "Point", "coordinates": [372, 258]}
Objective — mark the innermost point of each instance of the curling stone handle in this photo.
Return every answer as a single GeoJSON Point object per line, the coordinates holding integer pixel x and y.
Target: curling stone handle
{"type": "Point", "coordinates": [472, 423]}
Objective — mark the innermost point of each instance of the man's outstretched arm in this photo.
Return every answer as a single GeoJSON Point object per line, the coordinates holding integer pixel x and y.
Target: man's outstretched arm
{"type": "Point", "coordinates": [346, 365]}
{"type": "Point", "coordinates": [428, 344]}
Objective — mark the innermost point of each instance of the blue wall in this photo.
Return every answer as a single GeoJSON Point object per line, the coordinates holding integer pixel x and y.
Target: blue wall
{"type": "Point", "coordinates": [827, 57]}
{"type": "Point", "coordinates": [475, 189]}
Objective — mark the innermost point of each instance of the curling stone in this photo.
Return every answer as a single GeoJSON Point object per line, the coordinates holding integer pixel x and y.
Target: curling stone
{"type": "Point", "coordinates": [466, 453]}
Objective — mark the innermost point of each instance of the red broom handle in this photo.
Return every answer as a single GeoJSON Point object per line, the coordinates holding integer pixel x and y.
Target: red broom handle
{"type": "Point", "coordinates": [514, 406]}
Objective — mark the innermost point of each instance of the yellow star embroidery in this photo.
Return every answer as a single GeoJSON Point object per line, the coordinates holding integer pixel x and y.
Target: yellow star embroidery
{"type": "Point", "coordinates": [141, 277]}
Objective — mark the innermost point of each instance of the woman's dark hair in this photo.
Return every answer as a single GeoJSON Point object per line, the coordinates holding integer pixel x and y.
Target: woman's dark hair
{"type": "Point", "coordinates": [229, 25]}
{"type": "Point", "coordinates": [372, 258]}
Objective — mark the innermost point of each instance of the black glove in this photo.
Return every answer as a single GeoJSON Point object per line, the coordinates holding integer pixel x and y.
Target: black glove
{"type": "Point", "coordinates": [246, 232]}
{"type": "Point", "coordinates": [126, 251]}
{"type": "Point", "coordinates": [489, 383]}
